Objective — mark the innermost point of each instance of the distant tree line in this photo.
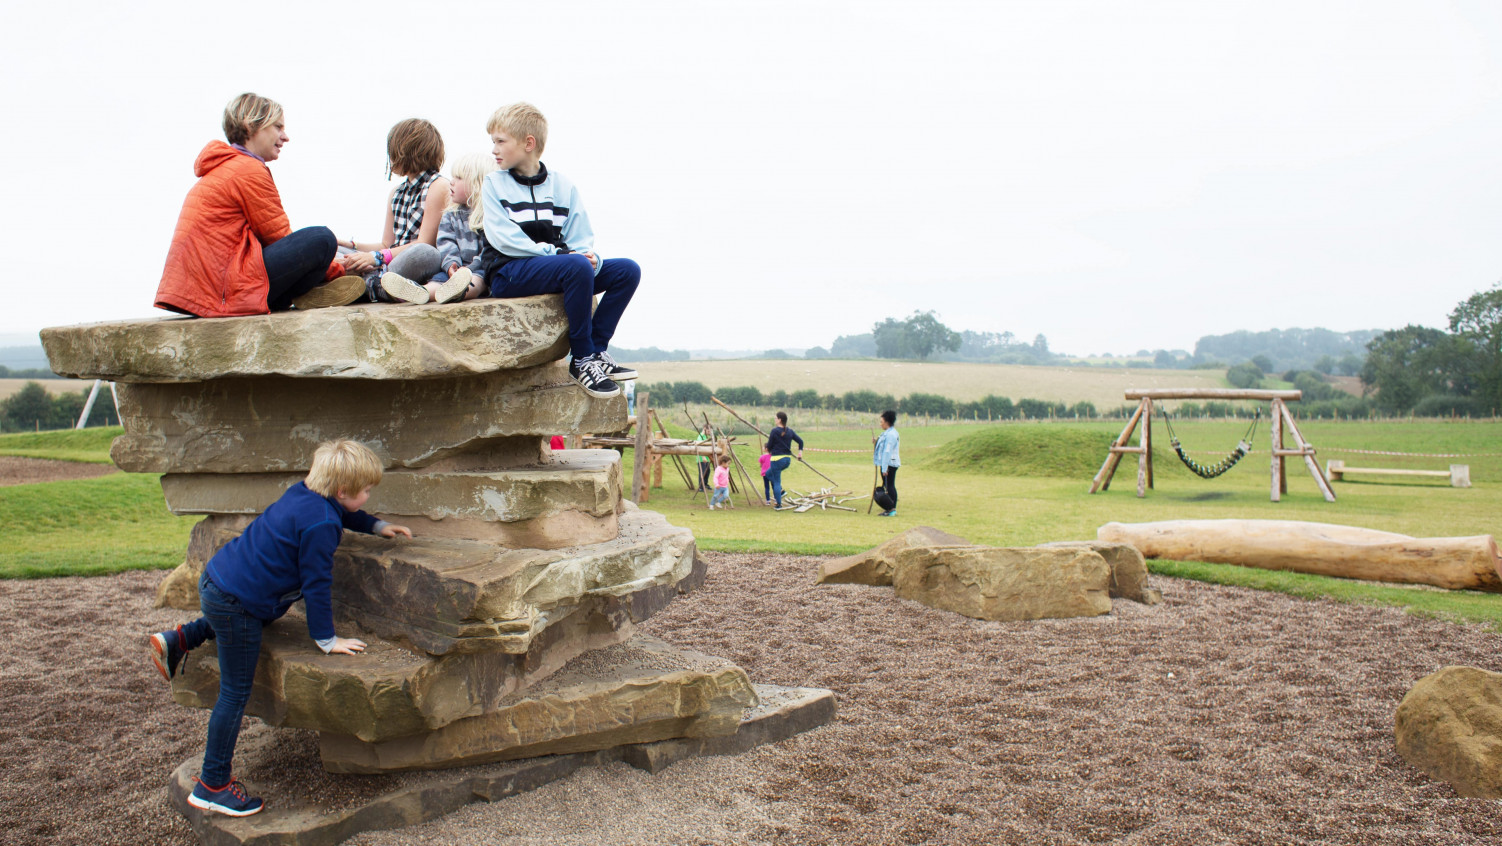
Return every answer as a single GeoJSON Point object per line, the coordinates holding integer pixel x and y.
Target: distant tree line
{"type": "Point", "coordinates": [28, 373]}
{"type": "Point", "coordinates": [33, 408]}
{"type": "Point", "coordinates": [1433, 372]}
{"type": "Point", "coordinates": [872, 402]}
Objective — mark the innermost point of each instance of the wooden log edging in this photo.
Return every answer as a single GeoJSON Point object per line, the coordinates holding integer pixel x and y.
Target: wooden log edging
{"type": "Point", "coordinates": [1348, 552]}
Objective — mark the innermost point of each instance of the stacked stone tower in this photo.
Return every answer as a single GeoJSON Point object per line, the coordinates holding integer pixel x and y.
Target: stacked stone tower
{"type": "Point", "coordinates": [506, 629]}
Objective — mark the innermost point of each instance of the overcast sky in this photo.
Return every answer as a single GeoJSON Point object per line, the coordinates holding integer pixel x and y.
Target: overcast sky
{"type": "Point", "coordinates": [1112, 175]}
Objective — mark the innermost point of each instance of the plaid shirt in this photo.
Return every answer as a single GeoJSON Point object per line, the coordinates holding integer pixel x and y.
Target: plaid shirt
{"type": "Point", "coordinates": [406, 207]}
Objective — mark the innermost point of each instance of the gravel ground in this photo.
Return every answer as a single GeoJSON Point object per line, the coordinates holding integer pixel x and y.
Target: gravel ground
{"type": "Point", "coordinates": [25, 471]}
{"type": "Point", "coordinates": [1222, 716]}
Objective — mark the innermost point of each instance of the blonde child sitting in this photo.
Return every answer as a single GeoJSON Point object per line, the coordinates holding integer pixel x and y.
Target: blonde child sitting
{"type": "Point", "coordinates": [458, 238]}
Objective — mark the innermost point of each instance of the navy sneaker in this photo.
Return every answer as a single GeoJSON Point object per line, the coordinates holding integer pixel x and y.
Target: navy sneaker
{"type": "Point", "coordinates": [166, 650]}
{"type": "Point", "coordinates": [616, 372]}
{"type": "Point", "coordinates": [589, 372]}
{"type": "Point", "coordinates": [230, 799]}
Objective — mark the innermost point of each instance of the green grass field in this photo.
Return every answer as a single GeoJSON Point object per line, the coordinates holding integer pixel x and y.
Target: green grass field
{"type": "Point", "coordinates": [1007, 484]}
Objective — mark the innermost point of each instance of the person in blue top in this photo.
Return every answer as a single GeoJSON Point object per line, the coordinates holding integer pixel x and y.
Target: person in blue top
{"type": "Point", "coordinates": [285, 554]}
{"type": "Point", "coordinates": [780, 446]}
{"type": "Point", "coordinates": [886, 459]}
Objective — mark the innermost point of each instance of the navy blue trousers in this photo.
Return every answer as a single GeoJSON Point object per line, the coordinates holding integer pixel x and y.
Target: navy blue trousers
{"type": "Point", "coordinates": [589, 329]}
{"type": "Point", "coordinates": [238, 636]}
{"type": "Point", "coordinates": [296, 265]}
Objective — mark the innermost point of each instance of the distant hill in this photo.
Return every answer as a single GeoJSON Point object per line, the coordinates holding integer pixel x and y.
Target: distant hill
{"type": "Point", "coordinates": [23, 358]}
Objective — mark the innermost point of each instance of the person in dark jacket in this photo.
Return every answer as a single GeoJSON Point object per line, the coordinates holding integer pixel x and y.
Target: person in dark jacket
{"type": "Point", "coordinates": [284, 555]}
{"type": "Point", "coordinates": [780, 446]}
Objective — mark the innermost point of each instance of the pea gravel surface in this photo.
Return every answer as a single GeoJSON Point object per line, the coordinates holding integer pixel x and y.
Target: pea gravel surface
{"type": "Point", "coordinates": [1223, 715]}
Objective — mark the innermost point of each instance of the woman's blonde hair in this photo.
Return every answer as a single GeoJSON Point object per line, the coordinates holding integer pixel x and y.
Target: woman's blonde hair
{"type": "Point", "coordinates": [414, 147]}
{"type": "Point", "coordinates": [343, 466]}
{"type": "Point", "coordinates": [520, 120]}
{"type": "Point", "coordinates": [472, 170]}
{"type": "Point", "coordinates": [247, 114]}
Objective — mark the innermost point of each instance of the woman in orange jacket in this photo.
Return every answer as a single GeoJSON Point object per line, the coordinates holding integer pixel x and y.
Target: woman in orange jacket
{"type": "Point", "coordinates": [233, 252]}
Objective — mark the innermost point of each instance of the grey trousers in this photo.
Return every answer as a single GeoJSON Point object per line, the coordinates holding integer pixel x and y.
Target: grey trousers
{"type": "Point", "coordinates": [418, 263]}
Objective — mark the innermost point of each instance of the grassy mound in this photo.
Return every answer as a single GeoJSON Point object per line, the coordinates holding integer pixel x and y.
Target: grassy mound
{"type": "Point", "coordinates": [1053, 451]}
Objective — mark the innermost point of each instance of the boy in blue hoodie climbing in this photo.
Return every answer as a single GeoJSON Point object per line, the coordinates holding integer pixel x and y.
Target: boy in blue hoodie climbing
{"type": "Point", "coordinates": [284, 555]}
{"type": "Point", "coordinates": [538, 241]}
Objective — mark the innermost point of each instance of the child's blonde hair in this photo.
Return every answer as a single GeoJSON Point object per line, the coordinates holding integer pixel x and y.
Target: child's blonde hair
{"type": "Point", "coordinates": [472, 170]}
{"type": "Point", "coordinates": [520, 120]}
{"type": "Point", "coordinates": [247, 114]}
{"type": "Point", "coordinates": [343, 466]}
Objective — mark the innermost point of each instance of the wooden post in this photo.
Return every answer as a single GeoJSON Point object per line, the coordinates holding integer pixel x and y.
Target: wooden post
{"type": "Point", "coordinates": [1279, 485]}
{"type": "Point", "coordinates": [1147, 441]}
{"type": "Point", "coordinates": [640, 478]}
{"type": "Point", "coordinates": [1307, 452]}
{"type": "Point", "coordinates": [1113, 456]}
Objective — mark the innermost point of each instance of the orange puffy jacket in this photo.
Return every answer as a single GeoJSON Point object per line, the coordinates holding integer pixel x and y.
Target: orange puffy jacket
{"type": "Point", "coordinates": [214, 268]}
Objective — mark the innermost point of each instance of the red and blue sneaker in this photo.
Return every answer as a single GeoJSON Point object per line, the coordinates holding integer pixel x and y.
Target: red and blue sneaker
{"type": "Point", "coordinates": [230, 799]}
{"type": "Point", "coordinates": [167, 651]}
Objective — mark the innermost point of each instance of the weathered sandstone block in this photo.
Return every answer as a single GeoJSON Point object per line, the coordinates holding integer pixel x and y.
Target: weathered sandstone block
{"type": "Point", "coordinates": [392, 691]}
{"type": "Point", "coordinates": [994, 583]}
{"type": "Point", "coordinates": [1128, 569]}
{"type": "Point", "coordinates": [571, 500]}
{"type": "Point", "coordinates": [373, 341]}
{"type": "Point", "coordinates": [639, 691]}
{"type": "Point", "coordinates": [273, 424]}
{"type": "Point", "coordinates": [445, 596]}
{"type": "Point", "coordinates": [874, 566]}
{"type": "Point", "coordinates": [1450, 726]}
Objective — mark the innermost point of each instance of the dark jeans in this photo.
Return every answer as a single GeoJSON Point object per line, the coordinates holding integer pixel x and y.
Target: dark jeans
{"type": "Point", "coordinates": [890, 482]}
{"type": "Point", "coordinates": [572, 275]}
{"type": "Point", "coordinates": [703, 475]}
{"type": "Point", "coordinates": [238, 635]}
{"type": "Point", "coordinates": [297, 264]}
{"type": "Point", "coordinates": [774, 473]}
{"type": "Point", "coordinates": [766, 485]}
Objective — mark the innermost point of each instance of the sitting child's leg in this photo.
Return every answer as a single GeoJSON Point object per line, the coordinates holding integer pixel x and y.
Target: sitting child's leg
{"type": "Point", "coordinates": [617, 280]}
{"type": "Point", "coordinates": [571, 275]}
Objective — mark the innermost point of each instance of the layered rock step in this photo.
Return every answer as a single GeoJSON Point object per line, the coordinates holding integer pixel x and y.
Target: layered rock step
{"type": "Point", "coordinates": [443, 596]}
{"type": "Point", "coordinates": [572, 499]}
{"type": "Point", "coordinates": [334, 808]}
{"type": "Point", "coordinates": [639, 691]}
{"type": "Point", "coordinates": [273, 424]}
{"type": "Point", "coordinates": [391, 690]}
{"type": "Point", "coordinates": [365, 342]}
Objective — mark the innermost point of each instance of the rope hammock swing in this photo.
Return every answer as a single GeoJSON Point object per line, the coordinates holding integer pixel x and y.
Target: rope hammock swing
{"type": "Point", "coordinates": [1224, 464]}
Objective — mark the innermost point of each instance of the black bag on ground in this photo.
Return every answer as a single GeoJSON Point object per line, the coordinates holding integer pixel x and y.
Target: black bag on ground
{"type": "Point", "coordinates": [883, 499]}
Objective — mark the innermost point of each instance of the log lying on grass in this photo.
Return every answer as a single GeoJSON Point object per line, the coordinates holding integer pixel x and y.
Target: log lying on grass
{"type": "Point", "coordinates": [1469, 563]}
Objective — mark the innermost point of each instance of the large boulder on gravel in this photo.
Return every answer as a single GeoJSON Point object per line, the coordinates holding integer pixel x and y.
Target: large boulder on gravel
{"type": "Point", "coordinates": [1450, 726]}
{"type": "Point", "coordinates": [874, 566]}
{"type": "Point", "coordinates": [1128, 569]}
{"type": "Point", "coordinates": [1000, 583]}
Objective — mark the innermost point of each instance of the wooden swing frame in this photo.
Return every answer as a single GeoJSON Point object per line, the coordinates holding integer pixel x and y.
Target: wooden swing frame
{"type": "Point", "coordinates": [1144, 448]}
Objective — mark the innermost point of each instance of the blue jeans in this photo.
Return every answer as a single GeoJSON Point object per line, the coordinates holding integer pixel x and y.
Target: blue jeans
{"type": "Point", "coordinates": [238, 635]}
{"type": "Point", "coordinates": [297, 264]}
{"type": "Point", "coordinates": [589, 329]}
{"type": "Point", "coordinates": [774, 474]}
{"type": "Point", "coordinates": [766, 484]}
{"type": "Point", "coordinates": [720, 495]}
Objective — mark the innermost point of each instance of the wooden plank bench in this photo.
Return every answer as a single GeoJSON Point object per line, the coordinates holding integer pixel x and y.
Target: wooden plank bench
{"type": "Point", "coordinates": [1459, 474]}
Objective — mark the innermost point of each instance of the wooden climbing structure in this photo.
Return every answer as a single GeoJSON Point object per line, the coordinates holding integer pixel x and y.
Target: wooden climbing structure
{"type": "Point", "coordinates": [1279, 417]}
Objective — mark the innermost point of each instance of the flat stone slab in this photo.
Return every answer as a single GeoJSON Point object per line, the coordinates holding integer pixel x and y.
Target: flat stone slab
{"type": "Point", "coordinates": [273, 424]}
{"type": "Point", "coordinates": [639, 691]}
{"type": "Point", "coordinates": [307, 807]}
{"type": "Point", "coordinates": [371, 341]}
{"type": "Point", "coordinates": [875, 565]}
{"type": "Point", "coordinates": [569, 501]}
{"type": "Point", "coordinates": [391, 691]}
{"type": "Point", "coordinates": [443, 596]}
{"type": "Point", "coordinates": [1006, 583]}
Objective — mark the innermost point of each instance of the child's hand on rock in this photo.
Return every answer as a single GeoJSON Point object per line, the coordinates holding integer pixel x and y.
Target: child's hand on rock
{"type": "Point", "coordinates": [346, 646]}
{"type": "Point", "coordinates": [391, 531]}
